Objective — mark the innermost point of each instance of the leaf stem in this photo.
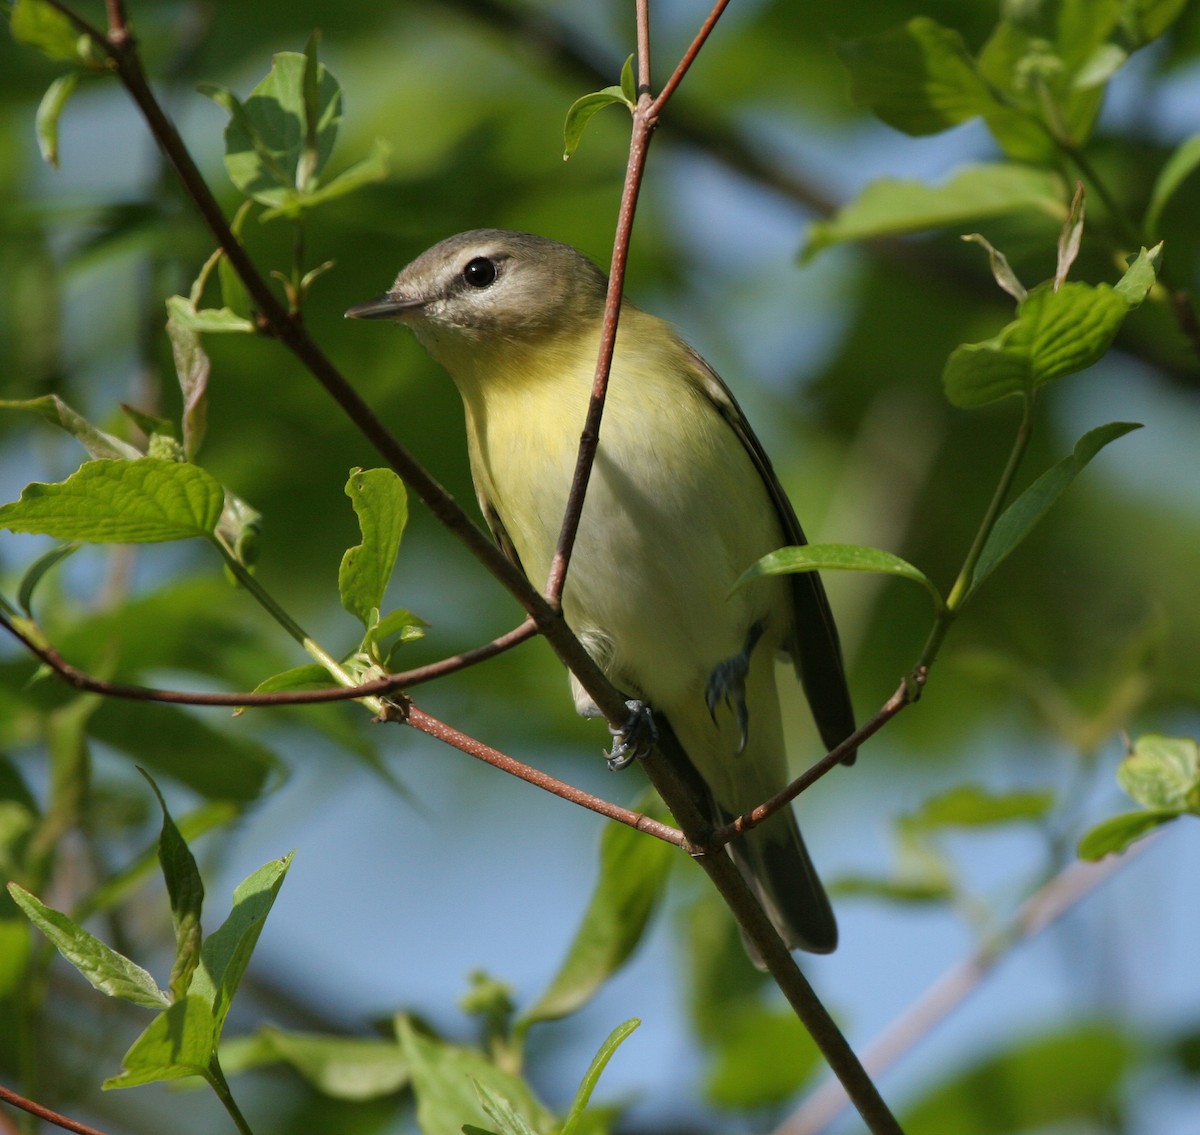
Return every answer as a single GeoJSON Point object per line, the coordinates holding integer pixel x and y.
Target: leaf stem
{"type": "Point", "coordinates": [216, 1079]}
{"type": "Point", "coordinates": [314, 649]}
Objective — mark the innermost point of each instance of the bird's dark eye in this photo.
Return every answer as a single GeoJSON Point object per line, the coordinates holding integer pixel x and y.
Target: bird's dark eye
{"type": "Point", "coordinates": [480, 272]}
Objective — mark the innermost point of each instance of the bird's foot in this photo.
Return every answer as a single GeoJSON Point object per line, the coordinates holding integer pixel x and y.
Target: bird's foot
{"type": "Point", "coordinates": [634, 739]}
{"type": "Point", "coordinates": [727, 683]}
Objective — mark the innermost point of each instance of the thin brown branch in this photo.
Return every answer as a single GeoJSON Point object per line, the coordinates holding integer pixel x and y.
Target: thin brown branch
{"type": "Point", "coordinates": [47, 1114]}
{"type": "Point", "coordinates": [906, 693]}
{"type": "Point", "coordinates": [689, 56]}
{"type": "Point", "coordinates": [82, 680]}
{"type": "Point", "coordinates": [423, 721]}
{"type": "Point", "coordinates": [1042, 908]}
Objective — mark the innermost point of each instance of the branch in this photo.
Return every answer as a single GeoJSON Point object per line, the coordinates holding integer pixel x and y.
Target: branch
{"type": "Point", "coordinates": [45, 1113]}
{"type": "Point", "coordinates": [1042, 908]}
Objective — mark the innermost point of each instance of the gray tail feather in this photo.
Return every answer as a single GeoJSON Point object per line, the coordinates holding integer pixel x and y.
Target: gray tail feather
{"type": "Point", "coordinates": [773, 860]}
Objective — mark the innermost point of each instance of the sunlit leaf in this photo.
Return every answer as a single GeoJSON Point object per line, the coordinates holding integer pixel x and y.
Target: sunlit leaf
{"type": "Point", "coordinates": [1162, 772]}
{"type": "Point", "coordinates": [108, 971]}
{"type": "Point", "coordinates": [1114, 835]}
{"type": "Point", "coordinates": [894, 206]}
{"type": "Point", "coordinates": [50, 110]}
{"type": "Point", "coordinates": [177, 1043]}
{"type": "Point", "coordinates": [381, 505]}
{"type": "Point", "coordinates": [98, 443]}
{"type": "Point", "coordinates": [121, 502]}
{"type": "Point", "coordinates": [1016, 522]}
{"type": "Point", "coordinates": [591, 1077]}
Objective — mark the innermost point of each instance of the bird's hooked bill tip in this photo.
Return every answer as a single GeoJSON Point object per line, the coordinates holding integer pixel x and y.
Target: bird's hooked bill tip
{"type": "Point", "coordinates": [384, 307]}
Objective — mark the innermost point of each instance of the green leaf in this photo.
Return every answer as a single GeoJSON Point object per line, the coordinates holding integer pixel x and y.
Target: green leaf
{"type": "Point", "coordinates": [226, 951]}
{"type": "Point", "coordinates": [38, 24]}
{"type": "Point", "coordinates": [346, 1068]}
{"type": "Point", "coordinates": [206, 320]}
{"type": "Point", "coordinates": [1002, 271]}
{"type": "Point", "coordinates": [903, 890]}
{"type": "Point", "coordinates": [121, 502]}
{"type": "Point", "coordinates": [896, 206]}
{"type": "Point", "coordinates": [108, 971]}
{"type": "Point", "coordinates": [1141, 275]}
{"type": "Point", "coordinates": [918, 78]}
{"type": "Point", "coordinates": [1016, 522]}
{"type": "Point", "coordinates": [279, 139]}
{"type": "Point", "coordinates": [1115, 834]}
{"type": "Point", "coordinates": [1055, 333]}
{"type": "Point", "coordinates": [1145, 20]}
{"type": "Point", "coordinates": [50, 110]}
{"type": "Point", "coordinates": [216, 763]}
{"type": "Point", "coordinates": [969, 806]}
{"type": "Point", "coordinates": [765, 1055]}
{"type": "Point", "coordinates": [381, 505]}
{"type": "Point", "coordinates": [310, 676]}
{"type": "Point", "coordinates": [837, 557]}
{"type": "Point", "coordinates": [37, 571]}
{"type": "Point", "coordinates": [591, 1077]}
{"type": "Point", "coordinates": [580, 114]}
{"type": "Point", "coordinates": [374, 167]}
{"type": "Point", "coordinates": [179, 1042]}
{"type": "Point", "coordinates": [505, 1117]}
{"type": "Point", "coordinates": [1162, 773]}
{"type": "Point", "coordinates": [628, 82]}
{"type": "Point", "coordinates": [633, 876]}
{"type": "Point", "coordinates": [1070, 237]}
{"type": "Point", "coordinates": [98, 443]}
{"type": "Point", "coordinates": [1058, 1081]}
{"type": "Point", "coordinates": [186, 892]}
{"type": "Point", "coordinates": [445, 1079]}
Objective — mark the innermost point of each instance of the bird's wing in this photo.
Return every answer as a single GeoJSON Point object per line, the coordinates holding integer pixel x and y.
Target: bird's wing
{"type": "Point", "coordinates": [815, 648]}
{"type": "Point", "coordinates": [500, 533]}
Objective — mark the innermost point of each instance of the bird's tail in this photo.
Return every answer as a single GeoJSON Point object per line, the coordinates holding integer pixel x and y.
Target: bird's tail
{"type": "Point", "coordinates": [774, 861]}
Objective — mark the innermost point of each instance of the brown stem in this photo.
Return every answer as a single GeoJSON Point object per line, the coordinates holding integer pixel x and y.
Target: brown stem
{"type": "Point", "coordinates": [421, 720]}
{"type": "Point", "coordinates": [45, 1113]}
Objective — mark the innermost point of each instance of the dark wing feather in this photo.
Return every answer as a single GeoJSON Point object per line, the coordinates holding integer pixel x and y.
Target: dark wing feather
{"type": "Point", "coordinates": [815, 649]}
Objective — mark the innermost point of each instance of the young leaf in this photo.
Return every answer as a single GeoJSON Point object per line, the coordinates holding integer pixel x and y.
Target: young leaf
{"type": "Point", "coordinates": [444, 1079]}
{"type": "Point", "coordinates": [98, 443]}
{"type": "Point", "coordinates": [145, 501]}
{"type": "Point", "coordinates": [226, 951]}
{"type": "Point", "coordinates": [1163, 773]}
{"type": "Point", "coordinates": [582, 109]}
{"type": "Point", "coordinates": [633, 875]}
{"type": "Point", "coordinates": [894, 206]}
{"type": "Point", "coordinates": [310, 676]}
{"type": "Point", "coordinates": [49, 111]}
{"type": "Point", "coordinates": [108, 971]}
{"type": "Point", "coordinates": [970, 806]}
{"type": "Point", "coordinates": [918, 78]}
{"type": "Point", "coordinates": [1178, 168]}
{"type": "Point", "coordinates": [1115, 834]}
{"type": "Point", "coordinates": [1018, 519]}
{"type": "Point", "coordinates": [374, 167]}
{"type": "Point", "coordinates": [1070, 237]}
{"type": "Point", "coordinates": [1002, 271]}
{"type": "Point", "coordinates": [381, 505]}
{"type": "Point", "coordinates": [1055, 333]}
{"type": "Point", "coordinates": [837, 557]}
{"type": "Point", "coordinates": [592, 1076]}
{"type": "Point", "coordinates": [269, 146]}
{"type": "Point", "coordinates": [37, 570]}
{"type": "Point", "coordinates": [344, 1067]}
{"type": "Point", "coordinates": [505, 1117]}
{"type": "Point", "coordinates": [42, 26]}
{"type": "Point", "coordinates": [179, 1042]}
{"type": "Point", "coordinates": [1141, 275]}
{"type": "Point", "coordinates": [186, 892]}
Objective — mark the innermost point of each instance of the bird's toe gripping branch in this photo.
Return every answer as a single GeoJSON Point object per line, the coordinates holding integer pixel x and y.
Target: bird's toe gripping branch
{"type": "Point", "coordinates": [635, 738]}
{"type": "Point", "coordinates": [727, 683]}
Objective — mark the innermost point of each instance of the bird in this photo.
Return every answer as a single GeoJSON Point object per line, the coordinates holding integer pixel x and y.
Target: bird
{"type": "Point", "coordinates": [682, 500]}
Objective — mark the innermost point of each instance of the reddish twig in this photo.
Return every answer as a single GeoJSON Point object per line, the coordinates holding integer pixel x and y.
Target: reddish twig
{"type": "Point", "coordinates": [906, 693]}
{"type": "Point", "coordinates": [47, 1114]}
{"type": "Point", "coordinates": [82, 680]}
{"type": "Point", "coordinates": [421, 720]}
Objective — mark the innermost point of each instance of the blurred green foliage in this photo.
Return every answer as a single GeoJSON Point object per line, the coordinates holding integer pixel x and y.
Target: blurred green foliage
{"type": "Point", "coordinates": [1087, 629]}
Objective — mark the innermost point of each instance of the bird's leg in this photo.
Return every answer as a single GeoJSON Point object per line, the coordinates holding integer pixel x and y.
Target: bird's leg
{"type": "Point", "coordinates": [635, 738]}
{"type": "Point", "coordinates": [727, 683]}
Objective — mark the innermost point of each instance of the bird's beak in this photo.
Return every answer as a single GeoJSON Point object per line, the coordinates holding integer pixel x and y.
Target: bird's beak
{"type": "Point", "coordinates": [385, 307]}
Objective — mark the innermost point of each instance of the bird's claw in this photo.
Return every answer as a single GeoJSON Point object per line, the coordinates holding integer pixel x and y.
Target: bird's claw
{"type": "Point", "coordinates": [634, 739]}
{"type": "Point", "coordinates": [727, 683]}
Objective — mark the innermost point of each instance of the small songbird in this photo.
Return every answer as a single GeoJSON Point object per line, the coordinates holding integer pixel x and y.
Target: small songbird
{"type": "Point", "coordinates": [682, 500]}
